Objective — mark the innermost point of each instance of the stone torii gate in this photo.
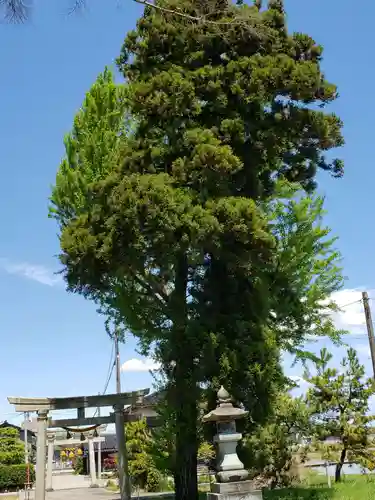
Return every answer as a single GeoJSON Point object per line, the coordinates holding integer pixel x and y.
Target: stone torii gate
{"type": "Point", "coordinates": [44, 405]}
{"type": "Point", "coordinates": [52, 442]}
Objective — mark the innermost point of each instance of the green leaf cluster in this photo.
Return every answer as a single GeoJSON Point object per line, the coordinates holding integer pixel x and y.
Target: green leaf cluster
{"type": "Point", "coordinates": [14, 477]}
{"type": "Point", "coordinates": [339, 402]}
{"type": "Point", "coordinates": [142, 469]}
{"type": "Point", "coordinates": [11, 447]}
{"type": "Point", "coordinates": [269, 452]}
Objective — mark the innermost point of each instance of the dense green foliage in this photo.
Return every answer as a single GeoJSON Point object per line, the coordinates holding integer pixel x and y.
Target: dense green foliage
{"type": "Point", "coordinates": [269, 452]}
{"type": "Point", "coordinates": [12, 450]}
{"type": "Point", "coordinates": [14, 477]}
{"type": "Point", "coordinates": [13, 470]}
{"type": "Point", "coordinates": [181, 202]}
{"type": "Point", "coordinates": [339, 402]}
{"type": "Point", "coordinates": [142, 469]}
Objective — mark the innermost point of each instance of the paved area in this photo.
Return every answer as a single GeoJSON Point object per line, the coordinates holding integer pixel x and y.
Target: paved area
{"type": "Point", "coordinates": [70, 481]}
{"type": "Point", "coordinates": [82, 494]}
{"type": "Point", "coordinates": [72, 487]}
{"type": "Point", "coordinates": [94, 494]}
{"type": "Point", "coordinates": [75, 494]}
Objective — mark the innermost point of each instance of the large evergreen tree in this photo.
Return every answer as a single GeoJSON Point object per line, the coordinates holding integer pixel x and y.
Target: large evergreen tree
{"type": "Point", "coordinates": [186, 223]}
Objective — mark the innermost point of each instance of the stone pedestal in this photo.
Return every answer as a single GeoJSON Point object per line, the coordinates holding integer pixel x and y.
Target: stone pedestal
{"type": "Point", "coordinates": [230, 468]}
{"type": "Point", "coordinates": [241, 490]}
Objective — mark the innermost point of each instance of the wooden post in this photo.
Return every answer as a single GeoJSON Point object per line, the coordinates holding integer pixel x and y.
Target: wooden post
{"type": "Point", "coordinates": [370, 328]}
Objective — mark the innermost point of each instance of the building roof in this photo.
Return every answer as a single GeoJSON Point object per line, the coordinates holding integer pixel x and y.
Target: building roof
{"type": "Point", "coordinates": [109, 445]}
{"type": "Point", "coordinates": [6, 424]}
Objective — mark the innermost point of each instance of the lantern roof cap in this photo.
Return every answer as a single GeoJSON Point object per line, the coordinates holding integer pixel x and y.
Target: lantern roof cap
{"type": "Point", "coordinates": [225, 411]}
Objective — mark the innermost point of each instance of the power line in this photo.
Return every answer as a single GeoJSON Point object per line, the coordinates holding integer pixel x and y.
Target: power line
{"type": "Point", "coordinates": [13, 416]}
{"type": "Point", "coordinates": [351, 303]}
{"type": "Point", "coordinates": [109, 378]}
{"type": "Point", "coordinates": [111, 366]}
{"type": "Point", "coordinates": [354, 302]}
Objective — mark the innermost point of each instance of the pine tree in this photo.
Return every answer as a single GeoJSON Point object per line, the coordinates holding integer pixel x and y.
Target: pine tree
{"type": "Point", "coordinates": [269, 452]}
{"type": "Point", "coordinates": [339, 401]}
{"type": "Point", "coordinates": [185, 220]}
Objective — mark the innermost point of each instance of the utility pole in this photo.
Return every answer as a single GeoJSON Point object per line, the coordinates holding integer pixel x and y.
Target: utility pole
{"type": "Point", "coordinates": [370, 328]}
{"type": "Point", "coordinates": [118, 366]}
{"type": "Point", "coordinates": [25, 437]}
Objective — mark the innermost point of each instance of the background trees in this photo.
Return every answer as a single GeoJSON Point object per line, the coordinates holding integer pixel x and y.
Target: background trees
{"type": "Point", "coordinates": [182, 209]}
{"type": "Point", "coordinates": [270, 452]}
{"type": "Point", "coordinates": [142, 469]}
{"type": "Point", "coordinates": [339, 402]}
{"type": "Point", "coordinates": [14, 473]}
{"type": "Point", "coordinates": [12, 450]}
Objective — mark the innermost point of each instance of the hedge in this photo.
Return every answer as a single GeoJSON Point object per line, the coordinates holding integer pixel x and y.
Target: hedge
{"type": "Point", "coordinates": [14, 477]}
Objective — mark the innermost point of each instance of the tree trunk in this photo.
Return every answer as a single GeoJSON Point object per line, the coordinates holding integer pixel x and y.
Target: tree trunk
{"type": "Point", "coordinates": [339, 466]}
{"type": "Point", "coordinates": [186, 480]}
{"type": "Point", "coordinates": [184, 391]}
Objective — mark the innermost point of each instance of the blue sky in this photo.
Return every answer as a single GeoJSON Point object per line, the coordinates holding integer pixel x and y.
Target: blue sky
{"type": "Point", "coordinates": [54, 343]}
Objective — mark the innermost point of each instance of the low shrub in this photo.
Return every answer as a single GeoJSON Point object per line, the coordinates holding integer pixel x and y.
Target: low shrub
{"type": "Point", "coordinates": [112, 485]}
{"type": "Point", "coordinates": [153, 481]}
{"type": "Point", "coordinates": [79, 467]}
{"type": "Point", "coordinates": [14, 477]}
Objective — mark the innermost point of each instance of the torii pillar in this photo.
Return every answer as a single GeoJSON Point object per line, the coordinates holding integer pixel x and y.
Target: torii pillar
{"type": "Point", "coordinates": [41, 443]}
{"type": "Point", "coordinates": [124, 479]}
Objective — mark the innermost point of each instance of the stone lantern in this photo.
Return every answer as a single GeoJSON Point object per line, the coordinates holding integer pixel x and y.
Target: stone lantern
{"type": "Point", "coordinates": [231, 477]}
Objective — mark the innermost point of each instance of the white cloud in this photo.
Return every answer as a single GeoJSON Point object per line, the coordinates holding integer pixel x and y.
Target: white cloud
{"type": "Point", "coordinates": [351, 317]}
{"type": "Point", "coordinates": [34, 272]}
{"type": "Point", "coordinates": [298, 380]}
{"type": "Point", "coordinates": [140, 365]}
{"type": "Point", "coordinates": [362, 349]}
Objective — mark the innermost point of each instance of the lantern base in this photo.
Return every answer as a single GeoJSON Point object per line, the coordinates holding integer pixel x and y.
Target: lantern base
{"type": "Point", "coordinates": [230, 476]}
{"type": "Point", "coordinates": [239, 490]}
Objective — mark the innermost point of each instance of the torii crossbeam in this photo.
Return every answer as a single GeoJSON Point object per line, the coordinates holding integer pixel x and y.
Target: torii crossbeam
{"type": "Point", "coordinates": [44, 405]}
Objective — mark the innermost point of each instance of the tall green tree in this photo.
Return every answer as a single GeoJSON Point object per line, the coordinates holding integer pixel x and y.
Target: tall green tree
{"type": "Point", "coordinates": [339, 402]}
{"type": "Point", "coordinates": [186, 224]}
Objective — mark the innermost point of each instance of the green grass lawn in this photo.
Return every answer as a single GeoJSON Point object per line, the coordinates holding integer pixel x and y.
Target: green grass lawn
{"type": "Point", "coordinates": [352, 488]}
{"type": "Point", "coordinates": [355, 488]}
